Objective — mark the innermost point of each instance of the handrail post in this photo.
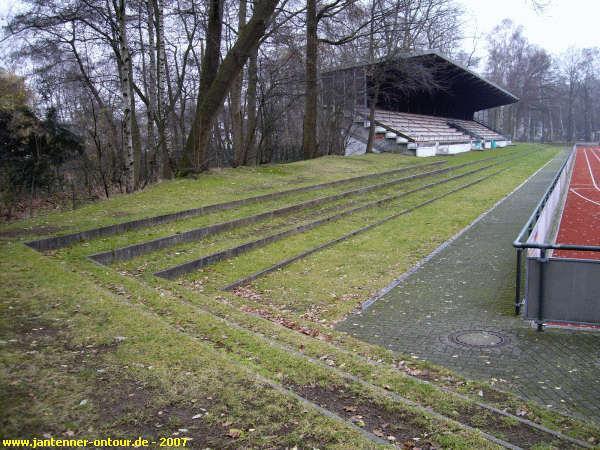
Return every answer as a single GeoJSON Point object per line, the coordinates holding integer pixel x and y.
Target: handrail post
{"type": "Point", "coordinates": [518, 283]}
{"type": "Point", "coordinates": [542, 260]}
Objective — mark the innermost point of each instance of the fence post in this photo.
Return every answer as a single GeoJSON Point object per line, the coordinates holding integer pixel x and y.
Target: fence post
{"type": "Point", "coordinates": [518, 283]}
{"type": "Point", "coordinates": [543, 260]}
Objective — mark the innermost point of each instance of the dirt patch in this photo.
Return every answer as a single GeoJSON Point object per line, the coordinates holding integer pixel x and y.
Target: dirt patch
{"type": "Point", "coordinates": [32, 328]}
{"type": "Point", "coordinates": [113, 401]}
{"type": "Point", "coordinates": [399, 427]}
{"type": "Point", "coordinates": [130, 411]}
{"type": "Point", "coordinates": [517, 433]}
{"type": "Point", "coordinates": [406, 429]}
{"type": "Point", "coordinates": [494, 396]}
{"type": "Point", "coordinates": [278, 318]}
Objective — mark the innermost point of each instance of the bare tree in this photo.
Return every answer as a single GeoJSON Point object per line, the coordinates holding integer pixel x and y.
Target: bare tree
{"type": "Point", "coordinates": [237, 115]}
{"type": "Point", "coordinates": [123, 64]}
{"type": "Point", "coordinates": [571, 67]}
{"type": "Point", "coordinates": [196, 151]}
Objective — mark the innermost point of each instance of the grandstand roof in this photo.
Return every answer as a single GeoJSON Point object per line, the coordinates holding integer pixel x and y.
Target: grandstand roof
{"type": "Point", "coordinates": [447, 89]}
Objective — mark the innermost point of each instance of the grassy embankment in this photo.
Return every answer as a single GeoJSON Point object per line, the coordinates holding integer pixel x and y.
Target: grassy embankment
{"type": "Point", "coordinates": [91, 351]}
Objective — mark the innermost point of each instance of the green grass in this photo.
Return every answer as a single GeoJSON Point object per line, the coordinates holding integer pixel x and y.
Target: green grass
{"type": "Point", "coordinates": [218, 185]}
{"type": "Point", "coordinates": [76, 356]}
{"type": "Point", "coordinates": [179, 357]}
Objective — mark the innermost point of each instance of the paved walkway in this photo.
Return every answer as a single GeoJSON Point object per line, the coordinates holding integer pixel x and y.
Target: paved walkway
{"type": "Point", "coordinates": [469, 285]}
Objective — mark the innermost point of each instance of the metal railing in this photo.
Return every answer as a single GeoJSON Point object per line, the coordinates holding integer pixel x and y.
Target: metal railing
{"type": "Point", "coordinates": [521, 243]}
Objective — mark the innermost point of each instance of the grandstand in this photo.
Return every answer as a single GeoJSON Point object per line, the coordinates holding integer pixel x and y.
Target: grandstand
{"type": "Point", "coordinates": [432, 117]}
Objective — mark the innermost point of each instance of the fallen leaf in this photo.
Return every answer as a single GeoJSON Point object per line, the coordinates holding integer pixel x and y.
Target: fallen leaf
{"type": "Point", "coordinates": [234, 433]}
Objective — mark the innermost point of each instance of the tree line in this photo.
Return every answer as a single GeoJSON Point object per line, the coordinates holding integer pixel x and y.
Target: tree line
{"type": "Point", "coordinates": [138, 91]}
{"type": "Point", "coordinates": [557, 93]}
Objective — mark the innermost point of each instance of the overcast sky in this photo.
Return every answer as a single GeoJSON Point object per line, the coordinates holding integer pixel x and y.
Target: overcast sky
{"type": "Point", "coordinates": [563, 23]}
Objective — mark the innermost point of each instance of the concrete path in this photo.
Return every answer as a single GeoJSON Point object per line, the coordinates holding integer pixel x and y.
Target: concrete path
{"type": "Point", "coordinates": [437, 312]}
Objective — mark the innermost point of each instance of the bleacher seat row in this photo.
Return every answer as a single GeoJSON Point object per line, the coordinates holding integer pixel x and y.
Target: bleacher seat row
{"type": "Point", "coordinates": [431, 135]}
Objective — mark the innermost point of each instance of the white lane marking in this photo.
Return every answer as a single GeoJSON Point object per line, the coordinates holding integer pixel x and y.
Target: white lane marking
{"type": "Point", "coordinates": [590, 168]}
{"type": "Point", "coordinates": [584, 197]}
{"type": "Point", "coordinates": [594, 150]}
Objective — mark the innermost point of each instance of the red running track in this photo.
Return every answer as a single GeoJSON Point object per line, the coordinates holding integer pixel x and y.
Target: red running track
{"type": "Point", "coordinates": [580, 222]}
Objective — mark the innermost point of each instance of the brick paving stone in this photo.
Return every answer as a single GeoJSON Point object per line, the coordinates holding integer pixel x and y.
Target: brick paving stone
{"type": "Point", "coordinates": [469, 286]}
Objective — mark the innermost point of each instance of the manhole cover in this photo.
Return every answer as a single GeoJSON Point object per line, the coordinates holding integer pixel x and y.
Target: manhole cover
{"type": "Point", "coordinates": [478, 338]}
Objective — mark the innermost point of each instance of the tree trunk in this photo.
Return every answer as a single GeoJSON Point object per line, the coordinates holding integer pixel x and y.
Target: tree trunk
{"type": "Point", "coordinates": [152, 89]}
{"type": "Point", "coordinates": [195, 155]}
{"type": "Point", "coordinates": [372, 125]}
{"type": "Point", "coordinates": [149, 115]}
{"type": "Point", "coordinates": [561, 122]}
{"type": "Point", "coordinates": [550, 127]}
{"type": "Point", "coordinates": [586, 114]}
{"type": "Point", "coordinates": [237, 115]}
{"type": "Point", "coordinates": [372, 69]}
{"type": "Point", "coordinates": [252, 123]}
{"type": "Point", "coordinates": [135, 131]}
{"type": "Point", "coordinates": [309, 139]}
{"type": "Point", "coordinates": [213, 98]}
{"type": "Point", "coordinates": [125, 82]}
{"type": "Point", "coordinates": [161, 67]}
{"type": "Point", "coordinates": [570, 128]}
{"type": "Point", "coordinates": [175, 140]}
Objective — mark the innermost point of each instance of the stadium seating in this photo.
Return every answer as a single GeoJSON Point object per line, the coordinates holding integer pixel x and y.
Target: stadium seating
{"type": "Point", "coordinates": [430, 135]}
{"type": "Point", "coordinates": [477, 129]}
